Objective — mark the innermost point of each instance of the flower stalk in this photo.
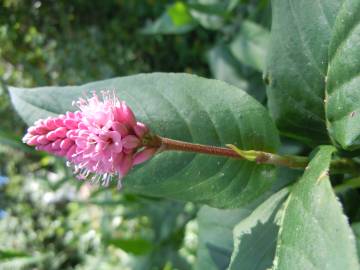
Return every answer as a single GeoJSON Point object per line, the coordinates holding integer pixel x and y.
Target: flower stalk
{"type": "Point", "coordinates": [260, 157]}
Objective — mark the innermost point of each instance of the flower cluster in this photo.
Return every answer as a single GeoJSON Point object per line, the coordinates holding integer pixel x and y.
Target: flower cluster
{"type": "Point", "coordinates": [100, 140]}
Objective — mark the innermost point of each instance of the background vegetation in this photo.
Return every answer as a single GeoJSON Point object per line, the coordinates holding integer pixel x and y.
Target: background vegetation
{"type": "Point", "coordinates": [48, 219]}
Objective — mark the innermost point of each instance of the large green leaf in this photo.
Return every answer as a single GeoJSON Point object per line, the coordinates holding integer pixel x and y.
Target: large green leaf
{"type": "Point", "coordinates": [188, 108]}
{"type": "Point", "coordinates": [255, 236]}
{"type": "Point", "coordinates": [302, 63]}
{"type": "Point", "coordinates": [314, 232]}
{"type": "Point", "coordinates": [216, 236]}
{"type": "Point", "coordinates": [343, 78]}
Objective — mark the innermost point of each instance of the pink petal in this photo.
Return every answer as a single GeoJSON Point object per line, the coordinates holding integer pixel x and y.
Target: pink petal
{"type": "Point", "coordinates": [42, 139]}
{"type": "Point", "coordinates": [101, 118]}
{"type": "Point", "coordinates": [81, 142]}
{"type": "Point", "coordinates": [56, 145]}
{"type": "Point", "coordinates": [47, 148]}
{"type": "Point", "coordinates": [121, 128]}
{"type": "Point", "coordinates": [50, 124]}
{"type": "Point", "coordinates": [41, 130]}
{"type": "Point", "coordinates": [116, 145]}
{"type": "Point", "coordinates": [27, 137]}
{"type": "Point", "coordinates": [71, 134]}
{"type": "Point", "coordinates": [70, 123]}
{"type": "Point", "coordinates": [130, 142]}
{"type": "Point", "coordinates": [32, 130]}
{"type": "Point", "coordinates": [66, 143]}
{"type": "Point", "coordinates": [128, 151]}
{"type": "Point", "coordinates": [61, 153]}
{"type": "Point", "coordinates": [70, 152]}
{"type": "Point", "coordinates": [140, 129]}
{"type": "Point", "coordinates": [99, 146]}
{"type": "Point", "coordinates": [70, 115]}
{"type": "Point", "coordinates": [125, 165]}
{"type": "Point", "coordinates": [59, 122]}
{"type": "Point", "coordinates": [51, 136]}
{"type": "Point", "coordinates": [61, 132]}
{"type": "Point", "coordinates": [82, 125]}
{"type": "Point", "coordinates": [144, 155]}
{"type": "Point", "coordinates": [125, 115]}
{"type": "Point", "coordinates": [78, 115]}
{"type": "Point", "coordinates": [117, 159]}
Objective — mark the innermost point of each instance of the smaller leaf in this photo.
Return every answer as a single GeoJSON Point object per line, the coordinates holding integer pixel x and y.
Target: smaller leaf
{"type": "Point", "coordinates": [175, 20]}
{"type": "Point", "coordinates": [225, 67]}
{"type": "Point", "coordinates": [216, 237]}
{"type": "Point", "coordinates": [6, 254]}
{"type": "Point", "coordinates": [179, 14]}
{"type": "Point", "coordinates": [314, 232]}
{"type": "Point", "coordinates": [255, 236]}
{"type": "Point", "coordinates": [210, 13]}
{"type": "Point", "coordinates": [250, 45]}
{"type": "Point", "coordinates": [356, 229]}
{"type": "Point", "coordinates": [136, 246]}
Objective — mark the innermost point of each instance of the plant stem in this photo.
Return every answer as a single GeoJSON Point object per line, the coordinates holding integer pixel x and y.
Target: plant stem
{"type": "Point", "coordinates": [260, 157]}
{"type": "Point", "coordinates": [169, 144]}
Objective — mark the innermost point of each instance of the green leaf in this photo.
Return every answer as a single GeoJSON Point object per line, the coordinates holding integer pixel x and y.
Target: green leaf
{"type": "Point", "coordinates": [356, 229]}
{"type": "Point", "coordinates": [313, 70]}
{"type": "Point", "coordinates": [175, 20]}
{"type": "Point", "coordinates": [255, 236]}
{"type": "Point", "coordinates": [22, 262]}
{"type": "Point", "coordinates": [185, 107]}
{"type": "Point", "coordinates": [179, 14]}
{"type": "Point", "coordinates": [250, 45]}
{"type": "Point", "coordinates": [216, 236]}
{"type": "Point", "coordinates": [211, 14]}
{"type": "Point", "coordinates": [343, 78]}
{"type": "Point", "coordinates": [6, 254]}
{"type": "Point", "coordinates": [136, 246]}
{"type": "Point", "coordinates": [15, 142]}
{"type": "Point", "coordinates": [314, 232]}
{"type": "Point", "coordinates": [225, 67]}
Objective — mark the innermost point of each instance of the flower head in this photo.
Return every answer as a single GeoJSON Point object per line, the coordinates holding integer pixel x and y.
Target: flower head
{"type": "Point", "coordinates": [101, 140]}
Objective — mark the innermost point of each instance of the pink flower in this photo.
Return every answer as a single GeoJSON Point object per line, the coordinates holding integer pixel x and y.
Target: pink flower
{"type": "Point", "coordinates": [51, 134]}
{"type": "Point", "coordinates": [101, 140]}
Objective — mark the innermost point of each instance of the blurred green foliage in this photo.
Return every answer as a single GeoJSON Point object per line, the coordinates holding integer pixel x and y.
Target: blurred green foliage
{"type": "Point", "coordinates": [51, 220]}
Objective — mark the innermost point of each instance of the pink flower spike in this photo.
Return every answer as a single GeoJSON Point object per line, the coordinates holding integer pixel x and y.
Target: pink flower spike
{"type": "Point", "coordinates": [102, 140]}
{"type": "Point", "coordinates": [144, 155]}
